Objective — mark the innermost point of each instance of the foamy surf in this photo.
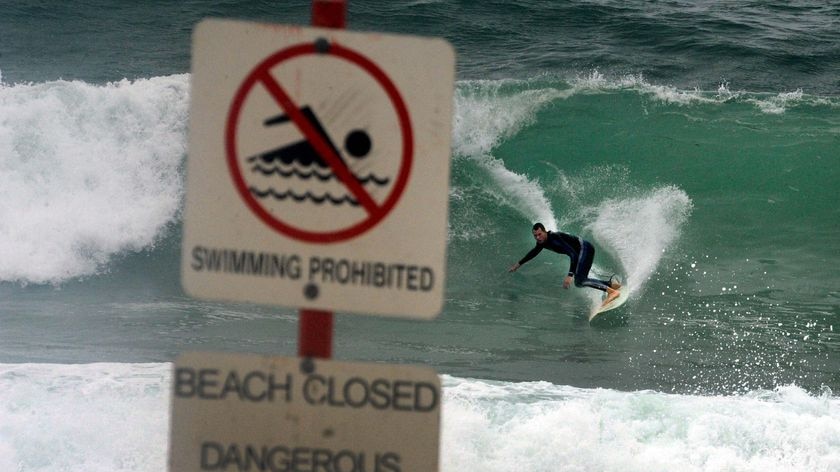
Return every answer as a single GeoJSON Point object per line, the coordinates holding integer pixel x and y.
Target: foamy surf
{"type": "Point", "coordinates": [501, 426]}
{"type": "Point", "coordinates": [92, 170]}
{"type": "Point", "coordinates": [112, 417]}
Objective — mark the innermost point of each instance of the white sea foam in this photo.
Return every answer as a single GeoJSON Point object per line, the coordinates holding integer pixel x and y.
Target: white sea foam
{"type": "Point", "coordinates": [88, 172]}
{"type": "Point", "coordinates": [115, 418]}
{"type": "Point", "coordinates": [772, 104]}
{"type": "Point", "coordinates": [778, 104]}
{"type": "Point", "coordinates": [485, 116]}
{"type": "Point", "coordinates": [488, 112]}
{"type": "Point", "coordinates": [594, 82]}
{"type": "Point", "coordinates": [497, 426]}
{"type": "Point", "coordinates": [92, 417]}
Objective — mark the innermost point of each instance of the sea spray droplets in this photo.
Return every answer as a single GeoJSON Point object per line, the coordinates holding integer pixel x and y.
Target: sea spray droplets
{"type": "Point", "coordinates": [639, 230]}
{"type": "Point", "coordinates": [730, 332]}
{"type": "Point", "coordinates": [523, 194]}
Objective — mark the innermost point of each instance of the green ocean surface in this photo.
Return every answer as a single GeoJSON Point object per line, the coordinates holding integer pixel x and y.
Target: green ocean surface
{"type": "Point", "coordinates": [694, 144]}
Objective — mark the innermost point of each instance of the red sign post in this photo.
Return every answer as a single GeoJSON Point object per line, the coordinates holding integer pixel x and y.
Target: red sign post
{"type": "Point", "coordinates": [315, 331]}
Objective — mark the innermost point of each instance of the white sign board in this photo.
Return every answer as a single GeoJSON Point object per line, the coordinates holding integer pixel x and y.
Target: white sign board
{"type": "Point", "coordinates": [236, 412]}
{"type": "Point", "coordinates": [318, 169]}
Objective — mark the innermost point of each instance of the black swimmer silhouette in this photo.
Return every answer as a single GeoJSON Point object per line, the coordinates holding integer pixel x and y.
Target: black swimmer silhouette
{"type": "Point", "coordinates": [307, 161]}
{"type": "Point", "coordinates": [357, 143]}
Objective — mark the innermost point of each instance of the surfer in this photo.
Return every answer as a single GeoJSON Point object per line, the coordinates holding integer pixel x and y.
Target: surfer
{"type": "Point", "coordinates": [580, 252]}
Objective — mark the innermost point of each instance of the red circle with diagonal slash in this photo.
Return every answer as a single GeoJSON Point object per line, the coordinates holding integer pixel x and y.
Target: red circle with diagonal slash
{"type": "Point", "coordinates": [375, 212]}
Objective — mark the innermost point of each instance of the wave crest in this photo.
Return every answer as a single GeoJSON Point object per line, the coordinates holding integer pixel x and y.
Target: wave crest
{"type": "Point", "coordinates": [89, 171]}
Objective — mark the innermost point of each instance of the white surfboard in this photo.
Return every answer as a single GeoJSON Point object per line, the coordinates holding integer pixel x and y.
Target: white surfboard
{"type": "Point", "coordinates": [623, 293]}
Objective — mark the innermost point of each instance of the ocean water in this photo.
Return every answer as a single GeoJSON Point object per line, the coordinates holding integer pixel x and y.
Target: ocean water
{"type": "Point", "coordinates": [694, 143]}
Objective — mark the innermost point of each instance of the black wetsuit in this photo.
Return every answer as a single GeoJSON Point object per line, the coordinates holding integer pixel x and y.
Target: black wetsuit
{"type": "Point", "coordinates": [579, 251]}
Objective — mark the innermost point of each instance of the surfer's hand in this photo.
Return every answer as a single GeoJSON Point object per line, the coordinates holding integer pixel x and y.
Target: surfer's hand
{"type": "Point", "coordinates": [514, 267]}
{"type": "Point", "coordinates": [567, 282]}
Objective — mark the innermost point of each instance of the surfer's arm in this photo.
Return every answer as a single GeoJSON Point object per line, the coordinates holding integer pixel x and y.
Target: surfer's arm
{"type": "Point", "coordinates": [573, 262]}
{"type": "Point", "coordinates": [570, 276]}
{"type": "Point", "coordinates": [531, 254]}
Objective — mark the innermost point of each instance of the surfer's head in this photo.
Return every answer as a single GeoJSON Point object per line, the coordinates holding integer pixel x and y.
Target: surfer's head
{"type": "Point", "coordinates": [539, 232]}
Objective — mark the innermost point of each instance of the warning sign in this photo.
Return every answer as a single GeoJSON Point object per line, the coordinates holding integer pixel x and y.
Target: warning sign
{"type": "Point", "coordinates": [318, 168]}
{"type": "Point", "coordinates": [249, 412]}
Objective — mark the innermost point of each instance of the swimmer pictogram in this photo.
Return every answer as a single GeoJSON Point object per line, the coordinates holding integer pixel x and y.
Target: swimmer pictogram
{"type": "Point", "coordinates": [300, 160]}
{"type": "Point", "coordinates": [336, 167]}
